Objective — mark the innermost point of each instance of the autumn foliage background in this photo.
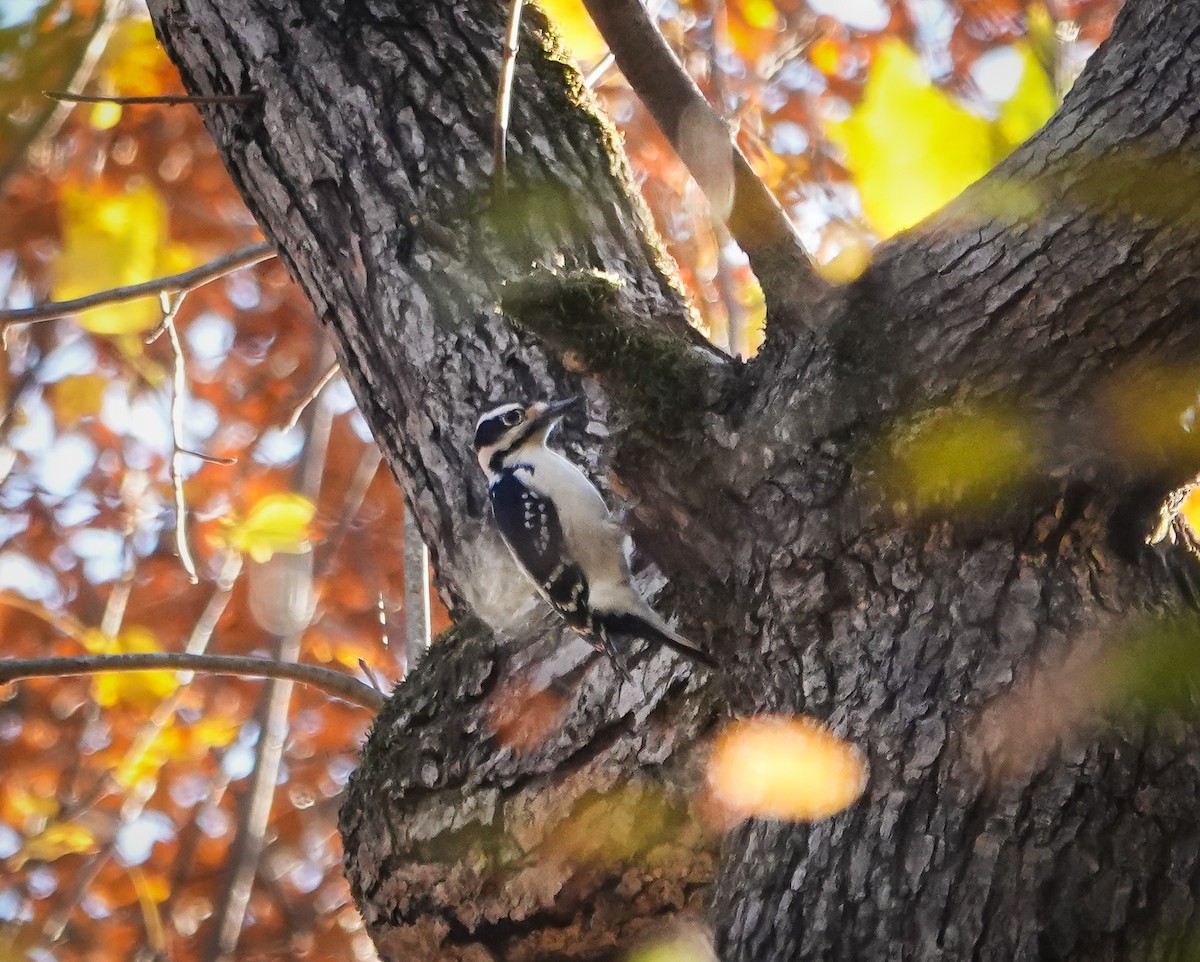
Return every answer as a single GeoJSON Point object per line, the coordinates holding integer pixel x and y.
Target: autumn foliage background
{"type": "Point", "coordinates": [126, 823]}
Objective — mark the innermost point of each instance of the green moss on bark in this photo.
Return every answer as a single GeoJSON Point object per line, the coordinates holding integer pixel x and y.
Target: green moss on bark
{"type": "Point", "coordinates": [658, 378]}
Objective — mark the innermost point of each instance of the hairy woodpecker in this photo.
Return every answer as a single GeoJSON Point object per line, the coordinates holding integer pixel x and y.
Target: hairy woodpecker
{"type": "Point", "coordinates": [558, 528]}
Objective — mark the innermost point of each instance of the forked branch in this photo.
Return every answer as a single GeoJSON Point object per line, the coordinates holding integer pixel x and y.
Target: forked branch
{"type": "Point", "coordinates": [704, 142]}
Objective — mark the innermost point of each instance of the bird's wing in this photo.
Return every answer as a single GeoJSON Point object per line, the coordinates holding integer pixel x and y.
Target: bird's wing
{"type": "Point", "coordinates": [531, 528]}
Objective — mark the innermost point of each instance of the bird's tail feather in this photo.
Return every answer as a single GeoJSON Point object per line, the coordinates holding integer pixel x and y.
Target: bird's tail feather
{"type": "Point", "coordinates": [652, 629]}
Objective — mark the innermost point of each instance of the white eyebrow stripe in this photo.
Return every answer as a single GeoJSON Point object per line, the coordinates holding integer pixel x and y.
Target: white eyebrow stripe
{"type": "Point", "coordinates": [494, 412]}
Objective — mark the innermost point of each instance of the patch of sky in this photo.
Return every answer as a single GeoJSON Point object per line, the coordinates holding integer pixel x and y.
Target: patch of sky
{"type": "Point", "coordinates": [359, 425]}
{"type": "Point", "coordinates": [935, 24]}
{"type": "Point", "coordinates": [136, 839]}
{"type": "Point", "coordinates": [210, 338]}
{"type": "Point", "coordinates": [243, 290]}
{"type": "Point", "coordinates": [200, 420]}
{"type": "Point", "coordinates": [337, 397]}
{"type": "Point", "coordinates": [10, 841]}
{"type": "Point", "coordinates": [102, 551]}
{"type": "Point", "coordinates": [857, 14]}
{"type": "Point", "coordinates": [788, 138]}
{"type": "Point", "coordinates": [74, 356]}
{"type": "Point", "coordinates": [35, 431]}
{"type": "Point", "coordinates": [306, 876]}
{"type": "Point", "coordinates": [30, 578]}
{"type": "Point", "coordinates": [799, 74]}
{"type": "Point", "coordinates": [998, 73]}
{"type": "Point", "coordinates": [79, 508]}
{"type": "Point", "coordinates": [149, 423]}
{"type": "Point", "coordinates": [12, 523]}
{"type": "Point", "coordinates": [41, 882]}
{"type": "Point", "coordinates": [277, 447]}
{"type": "Point", "coordinates": [11, 905]}
{"type": "Point", "coordinates": [62, 468]}
{"type": "Point", "coordinates": [15, 12]}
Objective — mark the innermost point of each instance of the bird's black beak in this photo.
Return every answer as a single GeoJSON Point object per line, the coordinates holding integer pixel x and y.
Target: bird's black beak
{"type": "Point", "coordinates": [551, 411]}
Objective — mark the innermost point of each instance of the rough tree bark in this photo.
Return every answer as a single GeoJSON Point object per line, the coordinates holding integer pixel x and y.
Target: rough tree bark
{"type": "Point", "coordinates": [1053, 286]}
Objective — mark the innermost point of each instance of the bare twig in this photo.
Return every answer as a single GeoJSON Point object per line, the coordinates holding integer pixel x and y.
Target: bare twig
{"type": "Point", "coordinates": [508, 68]}
{"type": "Point", "coordinates": [693, 127]}
{"type": "Point", "coordinates": [230, 913]}
{"type": "Point", "coordinates": [65, 96]}
{"type": "Point", "coordinates": [313, 393]}
{"type": "Point", "coordinates": [416, 589]}
{"type": "Point", "coordinates": [327, 680]}
{"type": "Point", "coordinates": [178, 388]}
{"type": "Point", "coordinates": [171, 284]}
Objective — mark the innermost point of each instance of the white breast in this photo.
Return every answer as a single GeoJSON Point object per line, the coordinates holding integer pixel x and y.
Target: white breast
{"type": "Point", "coordinates": [594, 540]}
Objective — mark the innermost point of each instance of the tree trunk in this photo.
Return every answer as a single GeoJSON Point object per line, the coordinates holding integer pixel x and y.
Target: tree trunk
{"type": "Point", "coordinates": [489, 821]}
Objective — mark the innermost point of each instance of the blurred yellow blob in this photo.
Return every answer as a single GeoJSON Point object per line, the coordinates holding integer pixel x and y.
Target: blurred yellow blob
{"type": "Point", "coordinates": [111, 238]}
{"type": "Point", "coordinates": [689, 944]}
{"type": "Point", "coordinates": [844, 253]}
{"type": "Point", "coordinates": [618, 826]}
{"type": "Point", "coordinates": [761, 14]}
{"type": "Point", "coordinates": [777, 767]}
{"type": "Point", "coordinates": [128, 687]}
{"type": "Point", "coordinates": [105, 116]}
{"type": "Point", "coordinates": [280, 522]}
{"type": "Point", "coordinates": [575, 28]}
{"type": "Point", "coordinates": [912, 147]}
{"type": "Point", "coordinates": [961, 458]}
{"type": "Point", "coordinates": [58, 839]}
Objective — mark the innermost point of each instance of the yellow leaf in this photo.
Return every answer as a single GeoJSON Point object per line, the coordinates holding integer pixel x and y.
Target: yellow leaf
{"type": "Point", "coordinates": [27, 805]}
{"type": "Point", "coordinates": [760, 14]}
{"type": "Point", "coordinates": [57, 840]}
{"type": "Point", "coordinates": [111, 239]}
{"type": "Point", "coordinates": [1030, 106]}
{"type": "Point", "coordinates": [128, 687]}
{"type": "Point", "coordinates": [78, 396]}
{"type": "Point", "coordinates": [277, 523]}
{"type": "Point", "coordinates": [575, 28]}
{"type": "Point", "coordinates": [784, 768]}
{"type": "Point", "coordinates": [910, 146]}
{"type": "Point", "coordinates": [134, 63]}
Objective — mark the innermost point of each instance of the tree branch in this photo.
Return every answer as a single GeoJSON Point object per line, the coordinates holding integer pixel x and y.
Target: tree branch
{"type": "Point", "coordinates": [171, 284]}
{"type": "Point", "coordinates": [170, 100]}
{"type": "Point", "coordinates": [736, 193]}
{"type": "Point", "coordinates": [332, 682]}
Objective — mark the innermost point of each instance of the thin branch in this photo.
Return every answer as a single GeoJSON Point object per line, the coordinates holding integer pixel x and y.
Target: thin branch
{"type": "Point", "coordinates": [171, 284]}
{"type": "Point", "coordinates": [230, 913]}
{"type": "Point", "coordinates": [332, 682]}
{"type": "Point", "coordinates": [508, 68]}
{"type": "Point", "coordinates": [313, 393]}
{"type": "Point", "coordinates": [417, 627]}
{"type": "Point", "coordinates": [699, 136]}
{"type": "Point", "coordinates": [65, 96]}
{"type": "Point", "coordinates": [178, 389]}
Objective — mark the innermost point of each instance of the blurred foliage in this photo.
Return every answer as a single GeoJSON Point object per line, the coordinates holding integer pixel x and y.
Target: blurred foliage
{"type": "Point", "coordinates": [783, 768]}
{"type": "Point", "coordinates": [962, 458]}
{"type": "Point", "coordinates": [863, 116]}
{"type": "Point", "coordinates": [125, 794]}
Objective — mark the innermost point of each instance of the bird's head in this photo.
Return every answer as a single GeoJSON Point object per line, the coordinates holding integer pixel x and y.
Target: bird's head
{"type": "Point", "coordinates": [512, 427]}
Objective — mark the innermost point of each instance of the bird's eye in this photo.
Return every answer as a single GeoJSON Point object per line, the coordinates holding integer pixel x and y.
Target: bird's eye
{"type": "Point", "coordinates": [511, 418]}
